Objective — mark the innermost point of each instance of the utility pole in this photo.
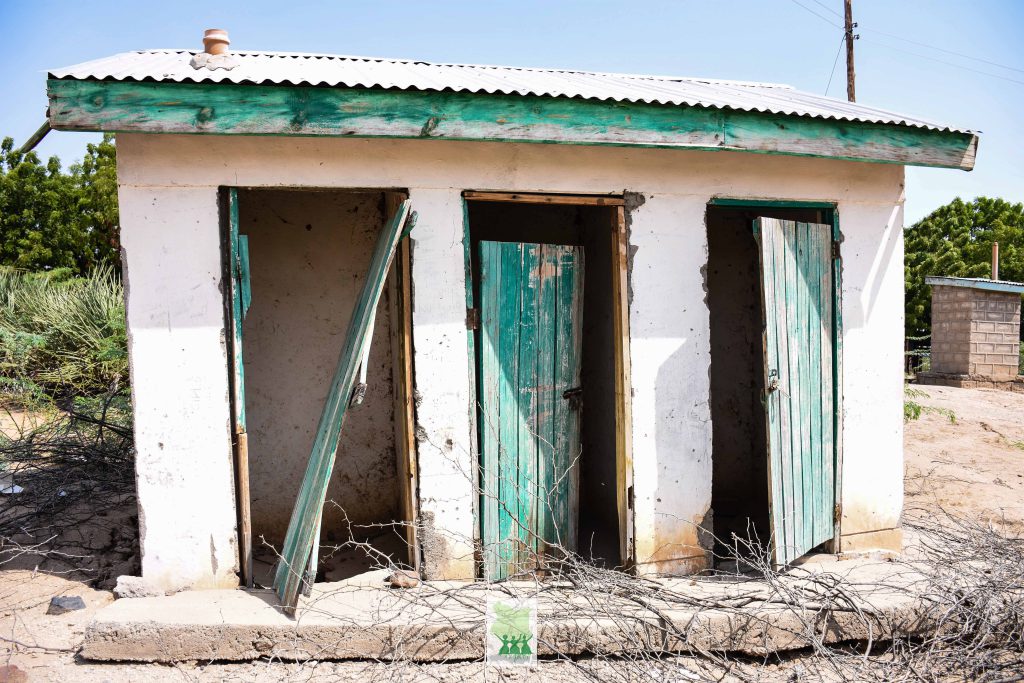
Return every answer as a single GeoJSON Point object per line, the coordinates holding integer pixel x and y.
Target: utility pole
{"type": "Point", "coordinates": [851, 93]}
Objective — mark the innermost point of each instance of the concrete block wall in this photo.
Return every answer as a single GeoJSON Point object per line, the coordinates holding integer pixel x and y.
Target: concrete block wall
{"type": "Point", "coordinates": [975, 332]}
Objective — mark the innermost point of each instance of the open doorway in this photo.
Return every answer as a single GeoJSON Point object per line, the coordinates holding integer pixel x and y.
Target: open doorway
{"type": "Point", "coordinates": [305, 257]}
{"type": "Point", "coordinates": [556, 370]}
{"type": "Point", "coordinates": [770, 291]}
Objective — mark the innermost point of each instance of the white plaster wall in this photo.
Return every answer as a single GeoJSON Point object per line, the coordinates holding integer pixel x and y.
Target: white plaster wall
{"type": "Point", "coordinates": [668, 317]}
{"type": "Point", "coordinates": [171, 249]}
{"type": "Point", "coordinates": [872, 484]}
{"type": "Point", "coordinates": [671, 352]}
{"type": "Point", "coordinates": [443, 413]}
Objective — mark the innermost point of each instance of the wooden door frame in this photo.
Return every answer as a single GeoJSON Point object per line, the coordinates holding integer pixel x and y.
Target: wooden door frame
{"type": "Point", "coordinates": [620, 329]}
{"type": "Point", "coordinates": [229, 216]}
{"type": "Point", "coordinates": [831, 211]}
{"type": "Point", "coordinates": [400, 312]}
{"type": "Point", "coordinates": [403, 380]}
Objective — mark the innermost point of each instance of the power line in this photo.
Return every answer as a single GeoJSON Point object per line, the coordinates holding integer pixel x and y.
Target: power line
{"type": "Point", "coordinates": [836, 61]}
{"type": "Point", "coordinates": [943, 61]}
{"type": "Point", "coordinates": [949, 52]}
{"type": "Point", "coordinates": [925, 45]}
{"type": "Point", "coordinates": [823, 18]}
{"type": "Point", "coordinates": [819, 3]}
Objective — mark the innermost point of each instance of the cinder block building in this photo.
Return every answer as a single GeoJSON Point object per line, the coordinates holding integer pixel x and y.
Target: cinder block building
{"type": "Point", "coordinates": [975, 331]}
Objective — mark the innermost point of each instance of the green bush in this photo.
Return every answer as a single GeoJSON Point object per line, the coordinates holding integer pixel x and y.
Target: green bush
{"type": "Point", "coordinates": [62, 335]}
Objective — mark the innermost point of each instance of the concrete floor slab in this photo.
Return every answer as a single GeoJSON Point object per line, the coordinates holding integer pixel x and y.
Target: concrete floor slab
{"type": "Point", "coordinates": [823, 599]}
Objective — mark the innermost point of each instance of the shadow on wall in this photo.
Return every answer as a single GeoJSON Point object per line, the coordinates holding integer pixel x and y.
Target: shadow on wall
{"type": "Point", "coordinates": [859, 301]}
{"type": "Point", "coordinates": [682, 442]}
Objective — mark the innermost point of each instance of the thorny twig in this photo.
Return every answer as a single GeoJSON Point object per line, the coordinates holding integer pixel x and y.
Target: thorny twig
{"type": "Point", "coordinates": [75, 502]}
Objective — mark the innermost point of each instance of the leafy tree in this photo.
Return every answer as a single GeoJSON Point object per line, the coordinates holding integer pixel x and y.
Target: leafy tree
{"type": "Point", "coordinates": [51, 219]}
{"type": "Point", "coordinates": [96, 180]}
{"type": "Point", "coordinates": [956, 240]}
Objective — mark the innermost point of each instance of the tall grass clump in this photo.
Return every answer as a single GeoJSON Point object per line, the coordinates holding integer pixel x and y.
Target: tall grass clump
{"type": "Point", "coordinates": [67, 480]}
{"type": "Point", "coordinates": [61, 336]}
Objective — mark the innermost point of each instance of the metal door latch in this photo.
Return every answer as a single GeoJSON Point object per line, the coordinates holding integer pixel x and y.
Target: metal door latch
{"type": "Point", "coordinates": [574, 396]}
{"type": "Point", "coordinates": [773, 381]}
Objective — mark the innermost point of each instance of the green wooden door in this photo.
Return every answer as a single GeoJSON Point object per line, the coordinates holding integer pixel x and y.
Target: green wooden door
{"type": "Point", "coordinates": [531, 309]}
{"type": "Point", "coordinates": [797, 295]}
{"type": "Point", "coordinates": [241, 298]}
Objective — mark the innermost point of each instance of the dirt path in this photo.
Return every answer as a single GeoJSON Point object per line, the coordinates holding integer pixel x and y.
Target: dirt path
{"type": "Point", "coordinates": [972, 467]}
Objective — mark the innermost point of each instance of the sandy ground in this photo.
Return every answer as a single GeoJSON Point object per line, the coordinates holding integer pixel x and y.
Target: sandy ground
{"type": "Point", "coordinates": [14, 422]}
{"type": "Point", "coordinates": [973, 466]}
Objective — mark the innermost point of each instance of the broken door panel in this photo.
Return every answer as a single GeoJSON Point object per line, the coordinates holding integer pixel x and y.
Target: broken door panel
{"type": "Point", "coordinates": [241, 298]}
{"type": "Point", "coordinates": [300, 537]}
{"type": "Point", "coordinates": [531, 306]}
{"type": "Point", "coordinates": [797, 296]}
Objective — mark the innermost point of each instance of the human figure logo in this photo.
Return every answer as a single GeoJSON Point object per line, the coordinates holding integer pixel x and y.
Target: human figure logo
{"type": "Point", "coordinates": [511, 630]}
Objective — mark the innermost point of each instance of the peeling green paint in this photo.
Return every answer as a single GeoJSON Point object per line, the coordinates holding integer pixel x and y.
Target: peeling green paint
{"type": "Point", "coordinates": [229, 109]}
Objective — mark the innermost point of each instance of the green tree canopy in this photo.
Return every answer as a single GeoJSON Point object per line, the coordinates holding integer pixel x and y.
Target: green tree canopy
{"type": "Point", "coordinates": [956, 241]}
{"type": "Point", "coordinates": [50, 219]}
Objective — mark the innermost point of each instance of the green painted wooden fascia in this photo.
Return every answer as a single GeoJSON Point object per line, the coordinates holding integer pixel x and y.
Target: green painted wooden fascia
{"type": "Point", "coordinates": [229, 109]}
{"type": "Point", "coordinates": [754, 204]}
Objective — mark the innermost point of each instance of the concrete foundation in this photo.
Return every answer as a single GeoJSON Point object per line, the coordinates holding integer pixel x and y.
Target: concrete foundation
{"type": "Point", "coordinates": [360, 619]}
{"type": "Point", "coordinates": [969, 382]}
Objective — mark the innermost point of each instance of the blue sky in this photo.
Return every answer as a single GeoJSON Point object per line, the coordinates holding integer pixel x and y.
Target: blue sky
{"type": "Point", "coordinates": [787, 41]}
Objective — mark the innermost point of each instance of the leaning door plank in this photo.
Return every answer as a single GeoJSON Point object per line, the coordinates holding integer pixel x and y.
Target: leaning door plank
{"type": "Point", "coordinates": [241, 298]}
{"type": "Point", "coordinates": [797, 290]}
{"type": "Point", "coordinates": [299, 539]}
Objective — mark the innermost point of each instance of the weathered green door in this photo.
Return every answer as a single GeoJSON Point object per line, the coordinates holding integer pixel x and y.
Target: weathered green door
{"type": "Point", "coordinates": [531, 306]}
{"type": "Point", "coordinates": [797, 295]}
{"type": "Point", "coordinates": [241, 298]}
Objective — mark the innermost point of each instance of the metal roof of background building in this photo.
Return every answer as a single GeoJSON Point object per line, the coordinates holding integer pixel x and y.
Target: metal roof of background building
{"type": "Point", "coordinates": [298, 69]}
{"type": "Point", "coordinates": [976, 283]}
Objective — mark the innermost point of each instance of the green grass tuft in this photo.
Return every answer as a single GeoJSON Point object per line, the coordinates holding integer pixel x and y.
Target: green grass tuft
{"type": "Point", "coordinates": [912, 410]}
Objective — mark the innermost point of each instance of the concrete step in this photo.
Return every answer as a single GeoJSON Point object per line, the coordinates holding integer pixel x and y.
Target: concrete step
{"type": "Point", "coordinates": [362, 619]}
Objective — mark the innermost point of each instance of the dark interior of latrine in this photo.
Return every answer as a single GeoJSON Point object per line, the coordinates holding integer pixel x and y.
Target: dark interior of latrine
{"type": "Point", "coordinates": [308, 253]}
{"type": "Point", "coordinates": [590, 227]}
{"type": "Point", "coordinates": [739, 457]}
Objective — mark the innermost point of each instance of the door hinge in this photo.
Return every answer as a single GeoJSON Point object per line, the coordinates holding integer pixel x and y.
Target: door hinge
{"type": "Point", "coordinates": [472, 318]}
{"type": "Point", "coordinates": [835, 250]}
{"type": "Point", "coordinates": [837, 513]}
{"type": "Point", "coordinates": [629, 498]}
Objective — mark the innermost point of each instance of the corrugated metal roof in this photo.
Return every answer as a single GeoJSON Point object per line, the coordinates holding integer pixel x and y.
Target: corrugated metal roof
{"type": "Point", "coordinates": [977, 283]}
{"type": "Point", "coordinates": [281, 68]}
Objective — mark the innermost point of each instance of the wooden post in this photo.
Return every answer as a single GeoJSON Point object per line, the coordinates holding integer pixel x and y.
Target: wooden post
{"type": "Point", "coordinates": [623, 388]}
{"type": "Point", "coordinates": [995, 260]}
{"type": "Point", "coordinates": [851, 94]}
{"type": "Point", "coordinates": [400, 310]}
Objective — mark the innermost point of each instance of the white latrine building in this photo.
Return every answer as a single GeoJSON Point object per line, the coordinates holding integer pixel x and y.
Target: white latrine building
{"type": "Point", "coordinates": [632, 315]}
